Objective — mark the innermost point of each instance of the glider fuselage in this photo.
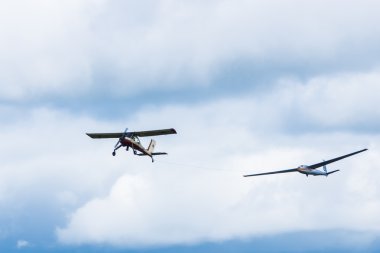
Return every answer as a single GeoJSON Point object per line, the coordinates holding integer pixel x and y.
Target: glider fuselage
{"type": "Point", "coordinates": [304, 169]}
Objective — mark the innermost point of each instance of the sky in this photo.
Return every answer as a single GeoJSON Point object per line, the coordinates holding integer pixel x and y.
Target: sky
{"type": "Point", "coordinates": [250, 86]}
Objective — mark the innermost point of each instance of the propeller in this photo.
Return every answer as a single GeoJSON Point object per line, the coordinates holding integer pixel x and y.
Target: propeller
{"type": "Point", "coordinates": [121, 137]}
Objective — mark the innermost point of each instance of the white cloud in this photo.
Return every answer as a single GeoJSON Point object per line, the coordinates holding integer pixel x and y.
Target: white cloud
{"type": "Point", "coordinates": [188, 193]}
{"type": "Point", "coordinates": [76, 47]}
{"type": "Point", "coordinates": [47, 154]}
{"type": "Point", "coordinates": [198, 193]}
{"type": "Point", "coordinates": [44, 47]}
{"type": "Point", "coordinates": [344, 101]}
{"type": "Point", "coordinates": [176, 205]}
{"type": "Point", "coordinates": [22, 244]}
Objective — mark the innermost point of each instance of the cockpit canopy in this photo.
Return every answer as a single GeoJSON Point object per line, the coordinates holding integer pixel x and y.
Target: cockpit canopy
{"type": "Point", "coordinates": [136, 139]}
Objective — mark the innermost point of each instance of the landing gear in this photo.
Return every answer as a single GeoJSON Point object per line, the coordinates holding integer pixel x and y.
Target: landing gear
{"type": "Point", "coordinates": [116, 148]}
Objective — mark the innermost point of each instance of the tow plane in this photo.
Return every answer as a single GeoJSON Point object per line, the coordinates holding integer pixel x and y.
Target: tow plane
{"type": "Point", "coordinates": [131, 140]}
{"type": "Point", "coordinates": [311, 169]}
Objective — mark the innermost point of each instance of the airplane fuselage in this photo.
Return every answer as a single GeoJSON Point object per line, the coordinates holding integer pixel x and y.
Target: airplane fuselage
{"type": "Point", "coordinates": [129, 142]}
{"type": "Point", "coordinates": [308, 171]}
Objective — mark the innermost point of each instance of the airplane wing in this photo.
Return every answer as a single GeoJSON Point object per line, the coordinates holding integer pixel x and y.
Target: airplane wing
{"type": "Point", "coordinates": [154, 132]}
{"type": "Point", "coordinates": [317, 165]}
{"type": "Point", "coordinates": [138, 133]}
{"type": "Point", "coordinates": [272, 172]}
{"type": "Point", "coordinates": [104, 135]}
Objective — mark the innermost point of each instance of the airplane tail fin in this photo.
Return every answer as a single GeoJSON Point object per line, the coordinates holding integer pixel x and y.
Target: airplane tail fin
{"type": "Point", "coordinates": [151, 146]}
{"type": "Point", "coordinates": [328, 173]}
{"type": "Point", "coordinates": [325, 168]}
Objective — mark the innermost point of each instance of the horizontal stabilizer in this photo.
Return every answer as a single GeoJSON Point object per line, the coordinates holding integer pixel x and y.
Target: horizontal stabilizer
{"type": "Point", "coordinates": [159, 153]}
{"type": "Point", "coordinates": [156, 153]}
{"type": "Point", "coordinates": [328, 173]}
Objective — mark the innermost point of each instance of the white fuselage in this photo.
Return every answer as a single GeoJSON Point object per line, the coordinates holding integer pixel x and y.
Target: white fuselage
{"type": "Point", "coordinates": [308, 171]}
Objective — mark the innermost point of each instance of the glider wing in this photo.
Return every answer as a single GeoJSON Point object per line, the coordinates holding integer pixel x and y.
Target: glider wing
{"type": "Point", "coordinates": [317, 165]}
{"type": "Point", "coordinates": [272, 172]}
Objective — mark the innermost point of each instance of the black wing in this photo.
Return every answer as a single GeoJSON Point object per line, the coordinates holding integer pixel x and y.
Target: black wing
{"type": "Point", "coordinates": [317, 165]}
{"type": "Point", "coordinates": [138, 133]}
{"type": "Point", "coordinates": [154, 132]}
{"type": "Point", "coordinates": [273, 172]}
{"type": "Point", "coordinates": [104, 135]}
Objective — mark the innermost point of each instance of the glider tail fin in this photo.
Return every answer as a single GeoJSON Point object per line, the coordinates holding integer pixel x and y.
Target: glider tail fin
{"type": "Point", "coordinates": [151, 146]}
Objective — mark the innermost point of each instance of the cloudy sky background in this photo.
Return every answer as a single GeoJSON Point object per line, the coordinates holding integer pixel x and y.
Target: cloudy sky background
{"type": "Point", "coordinates": [250, 86]}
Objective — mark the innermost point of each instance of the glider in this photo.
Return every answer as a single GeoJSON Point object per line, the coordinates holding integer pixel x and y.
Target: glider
{"type": "Point", "coordinates": [311, 169]}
